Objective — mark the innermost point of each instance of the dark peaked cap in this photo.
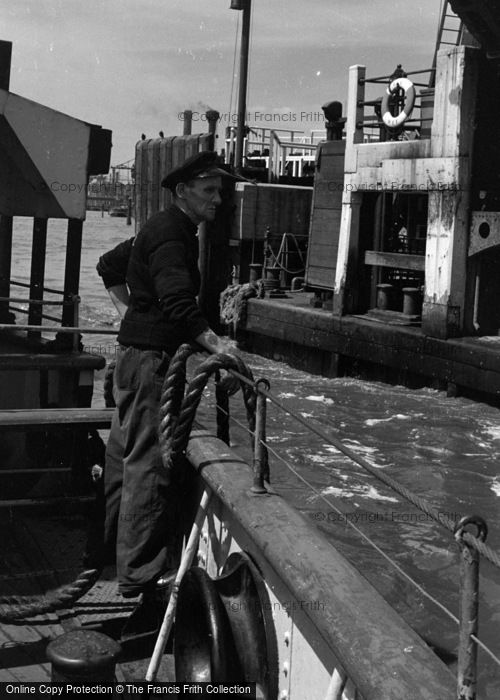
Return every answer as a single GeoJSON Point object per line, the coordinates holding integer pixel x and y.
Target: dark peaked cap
{"type": "Point", "coordinates": [199, 166]}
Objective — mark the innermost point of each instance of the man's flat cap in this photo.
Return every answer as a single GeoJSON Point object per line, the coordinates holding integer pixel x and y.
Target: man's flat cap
{"type": "Point", "coordinates": [199, 166]}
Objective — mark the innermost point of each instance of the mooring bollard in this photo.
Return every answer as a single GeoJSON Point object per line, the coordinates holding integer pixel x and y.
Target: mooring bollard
{"type": "Point", "coordinates": [255, 271]}
{"type": "Point", "coordinates": [384, 296]}
{"type": "Point", "coordinates": [469, 605]}
{"type": "Point", "coordinates": [80, 656]}
{"type": "Point", "coordinates": [412, 301]}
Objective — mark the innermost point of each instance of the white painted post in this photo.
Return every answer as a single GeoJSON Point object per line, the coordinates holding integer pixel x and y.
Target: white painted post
{"type": "Point", "coordinates": [345, 296]}
{"type": "Point", "coordinates": [448, 216]}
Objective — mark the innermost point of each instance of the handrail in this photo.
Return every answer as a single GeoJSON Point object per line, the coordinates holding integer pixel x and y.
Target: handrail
{"type": "Point", "coordinates": [57, 329]}
{"type": "Point", "coordinates": [353, 626]}
{"type": "Point", "coordinates": [277, 153]}
{"type": "Point", "coordinates": [17, 283]}
{"type": "Point", "coordinates": [42, 302]}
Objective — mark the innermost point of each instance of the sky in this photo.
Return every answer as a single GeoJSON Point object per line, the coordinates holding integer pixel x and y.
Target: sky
{"type": "Point", "coordinates": [133, 66]}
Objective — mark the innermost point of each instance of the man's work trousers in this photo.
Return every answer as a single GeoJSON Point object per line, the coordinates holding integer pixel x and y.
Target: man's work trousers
{"type": "Point", "coordinates": [142, 505]}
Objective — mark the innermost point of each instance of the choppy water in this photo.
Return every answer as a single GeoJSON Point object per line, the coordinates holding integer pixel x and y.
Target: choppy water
{"type": "Point", "coordinates": [447, 450]}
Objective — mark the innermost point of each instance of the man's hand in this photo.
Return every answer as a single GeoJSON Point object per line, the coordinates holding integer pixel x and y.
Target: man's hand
{"type": "Point", "coordinates": [212, 342]}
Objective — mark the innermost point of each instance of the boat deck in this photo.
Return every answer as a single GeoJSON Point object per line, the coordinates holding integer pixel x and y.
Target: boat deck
{"type": "Point", "coordinates": [39, 552]}
{"type": "Point", "coordinates": [380, 346]}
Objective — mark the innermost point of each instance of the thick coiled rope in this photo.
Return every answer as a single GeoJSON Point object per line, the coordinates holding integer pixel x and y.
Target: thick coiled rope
{"type": "Point", "coordinates": [14, 609]}
{"type": "Point", "coordinates": [177, 411]}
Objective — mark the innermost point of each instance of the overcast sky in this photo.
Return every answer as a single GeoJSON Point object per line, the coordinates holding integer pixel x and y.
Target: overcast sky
{"type": "Point", "coordinates": [133, 65]}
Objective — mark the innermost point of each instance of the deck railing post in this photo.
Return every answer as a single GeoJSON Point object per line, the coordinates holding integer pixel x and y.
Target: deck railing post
{"type": "Point", "coordinates": [37, 276]}
{"type": "Point", "coordinates": [5, 264]}
{"type": "Point", "coordinates": [260, 458]}
{"type": "Point", "coordinates": [72, 277]}
{"type": "Point", "coordinates": [469, 605]}
{"type": "Point", "coordinates": [222, 411]}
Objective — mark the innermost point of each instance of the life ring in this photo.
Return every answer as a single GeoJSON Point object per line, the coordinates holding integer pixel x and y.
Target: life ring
{"type": "Point", "coordinates": [388, 119]}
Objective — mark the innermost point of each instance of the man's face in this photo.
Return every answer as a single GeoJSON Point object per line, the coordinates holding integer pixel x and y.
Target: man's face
{"type": "Point", "coordinates": [201, 198]}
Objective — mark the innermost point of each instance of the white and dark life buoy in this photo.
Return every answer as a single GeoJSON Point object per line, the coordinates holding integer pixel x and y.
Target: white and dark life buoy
{"type": "Point", "coordinates": [394, 121]}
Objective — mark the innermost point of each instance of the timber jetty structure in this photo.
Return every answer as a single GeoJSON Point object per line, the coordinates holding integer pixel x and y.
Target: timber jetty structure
{"type": "Point", "coordinates": [394, 241]}
{"type": "Point", "coordinates": [404, 234]}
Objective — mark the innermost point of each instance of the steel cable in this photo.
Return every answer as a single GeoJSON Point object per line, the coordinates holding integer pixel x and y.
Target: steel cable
{"type": "Point", "coordinates": [420, 503]}
{"type": "Point", "coordinates": [375, 546]}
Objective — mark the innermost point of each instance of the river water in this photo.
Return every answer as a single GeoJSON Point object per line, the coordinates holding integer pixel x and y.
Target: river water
{"type": "Point", "coordinates": [446, 450]}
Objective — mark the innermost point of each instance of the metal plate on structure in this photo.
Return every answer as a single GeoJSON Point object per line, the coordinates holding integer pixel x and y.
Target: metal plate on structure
{"type": "Point", "coordinates": [484, 231]}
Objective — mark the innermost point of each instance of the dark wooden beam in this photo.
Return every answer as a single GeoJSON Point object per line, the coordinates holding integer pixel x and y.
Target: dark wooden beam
{"type": "Point", "coordinates": [55, 417]}
{"type": "Point", "coordinates": [72, 271]}
{"type": "Point", "coordinates": [37, 276]}
{"type": "Point", "coordinates": [5, 264]}
{"type": "Point", "coordinates": [402, 261]}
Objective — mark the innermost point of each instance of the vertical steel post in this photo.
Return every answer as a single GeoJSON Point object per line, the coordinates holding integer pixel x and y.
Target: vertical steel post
{"type": "Point", "coordinates": [222, 411]}
{"type": "Point", "coordinates": [260, 458]}
{"type": "Point", "coordinates": [469, 604]}
{"type": "Point", "coordinates": [244, 5]}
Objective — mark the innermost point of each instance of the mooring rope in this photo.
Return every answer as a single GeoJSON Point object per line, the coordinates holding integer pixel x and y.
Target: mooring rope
{"type": "Point", "coordinates": [14, 609]}
{"type": "Point", "coordinates": [177, 411]}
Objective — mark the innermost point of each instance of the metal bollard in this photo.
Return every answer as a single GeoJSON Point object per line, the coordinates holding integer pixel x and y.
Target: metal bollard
{"type": "Point", "coordinates": [412, 301]}
{"type": "Point", "coordinates": [384, 296]}
{"type": "Point", "coordinates": [261, 458]}
{"type": "Point", "coordinates": [255, 271]}
{"type": "Point", "coordinates": [81, 656]}
{"type": "Point", "coordinates": [469, 605]}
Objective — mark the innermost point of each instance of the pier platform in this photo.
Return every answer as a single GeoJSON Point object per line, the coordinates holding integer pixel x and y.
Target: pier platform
{"type": "Point", "coordinates": [316, 341]}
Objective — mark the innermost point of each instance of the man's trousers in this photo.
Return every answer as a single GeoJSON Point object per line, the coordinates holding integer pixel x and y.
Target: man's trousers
{"type": "Point", "coordinates": [142, 502]}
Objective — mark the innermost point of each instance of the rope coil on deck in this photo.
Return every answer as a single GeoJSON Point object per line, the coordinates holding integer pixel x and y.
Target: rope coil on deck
{"type": "Point", "coordinates": [15, 609]}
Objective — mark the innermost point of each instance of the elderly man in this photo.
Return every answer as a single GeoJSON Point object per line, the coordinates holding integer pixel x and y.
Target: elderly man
{"type": "Point", "coordinates": [153, 281]}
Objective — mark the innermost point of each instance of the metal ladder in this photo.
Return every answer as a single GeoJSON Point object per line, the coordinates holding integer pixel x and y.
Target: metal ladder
{"type": "Point", "coordinates": [450, 27]}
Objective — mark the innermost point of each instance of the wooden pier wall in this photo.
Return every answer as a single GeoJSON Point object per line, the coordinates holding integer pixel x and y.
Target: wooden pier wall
{"type": "Point", "coordinates": [311, 340]}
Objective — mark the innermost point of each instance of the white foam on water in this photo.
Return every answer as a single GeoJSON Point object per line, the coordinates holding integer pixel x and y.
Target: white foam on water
{"type": "Point", "coordinates": [336, 491]}
{"type": "Point", "coordinates": [436, 450]}
{"type": "Point", "coordinates": [320, 399]}
{"type": "Point", "coordinates": [331, 448]}
{"type": "Point", "coordinates": [363, 490]}
{"type": "Point", "coordinates": [307, 415]}
{"type": "Point", "coordinates": [495, 486]}
{"type": "Point", "coordinates": [286, 395]}
{"type": "Point", "coordinates": [493, 431]}
{"type": "Point", "coordinates": [398, 416]}
{"type": "Point", "coordinates": [326, 459]}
